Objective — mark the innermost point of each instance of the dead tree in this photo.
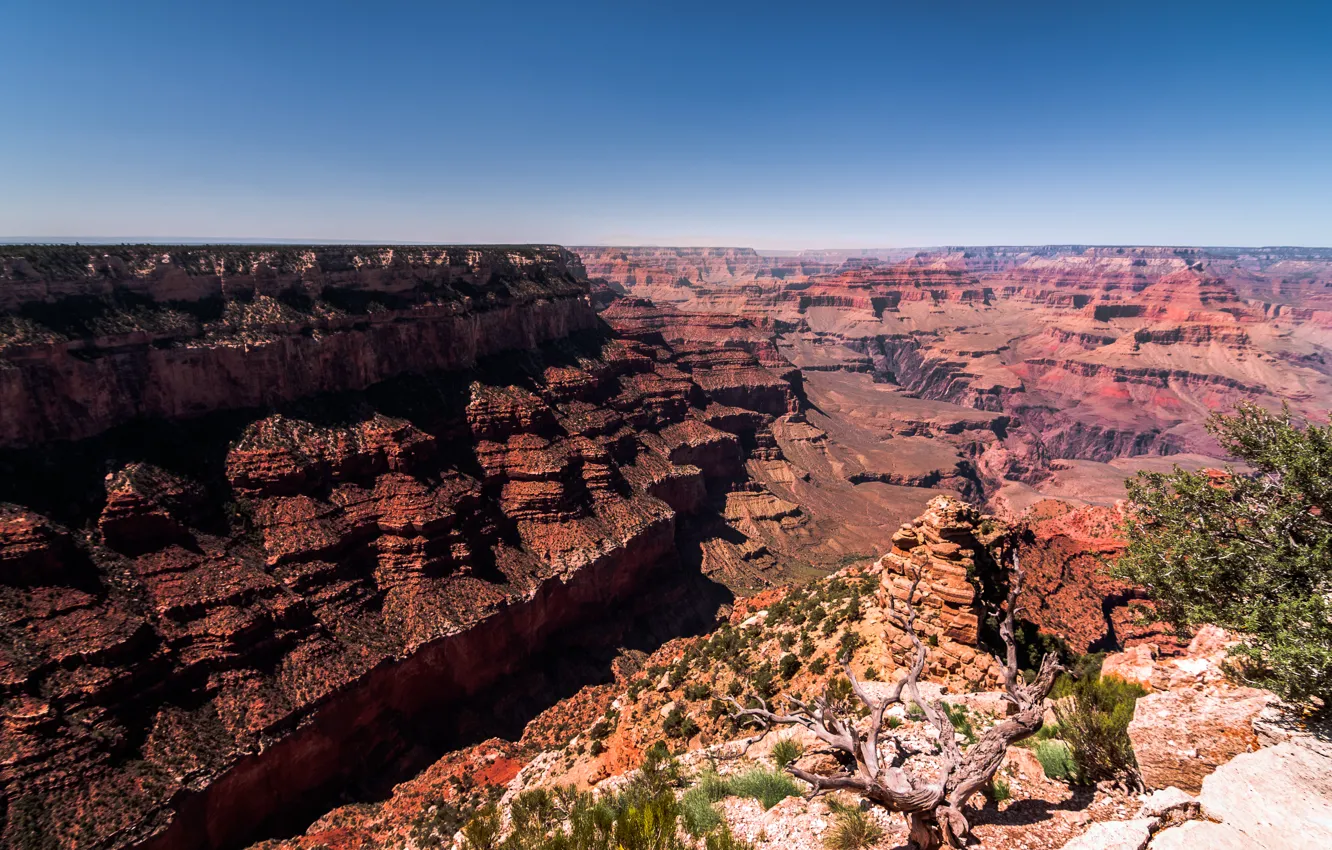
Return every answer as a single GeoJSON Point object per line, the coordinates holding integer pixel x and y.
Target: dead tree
{"type": "Point", "coordinates": [932, 806]}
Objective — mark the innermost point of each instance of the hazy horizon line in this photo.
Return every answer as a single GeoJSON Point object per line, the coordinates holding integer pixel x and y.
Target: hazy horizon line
{"type": "Point", "coordinates": [169, 241]}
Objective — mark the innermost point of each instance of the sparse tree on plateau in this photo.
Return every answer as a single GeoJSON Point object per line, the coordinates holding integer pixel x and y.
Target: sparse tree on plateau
{"type": "Point", "coordinates": [874, 762]}
{"type": "Point", "coordinates": [1249, 550]}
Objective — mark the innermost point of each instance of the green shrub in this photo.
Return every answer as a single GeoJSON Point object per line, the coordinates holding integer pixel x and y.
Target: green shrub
{"type": "Point", "coordinates": [960, 717]}
{"type": "Point", "coordinates": [999, 790]}
{"type": "Point", "coordinates": [788, 666]}
{"type": "Point", "coordinates": [915, 712]}
{"type": "Point", "coordinates": [697, 691]}
{"type": "Point", "coordinates": [766, 786]}
{"type": "Point", "coordinates": [700, 815]}
{"type": "Point", "coordinates": [786, 751]}
{"type": "Point", "coordinates": [818, 666]}
{"type": "Point", "coordinates": [852, 829]}
{"type": "Point", "coordinates": [851, 641]}
{"type": "Point", "coordinates": [1251, 553]}
{"type": "Point", "coordinates": [483, 830]}
{"type": "Point", "coordinates": [677, 724]}
{"type": "Point", "coordinates": [1056, 760]}
{"type": "Point", "coordinates": [722, 839]}
{"type": "Point", "coordinates": [659, 772]}
{"type": "Point", "coordinates": [713, 786]}
{"type": "Point", "coordinates": [872, 673]}
{"type": "Point", "coordinates": [839, 691]}
{"type": "Point", "coordinates": [1093, 720]}
{"type": "Point", "coordinates": [648, 824]}
{"type": "Point", "coordinates": [764, 682]}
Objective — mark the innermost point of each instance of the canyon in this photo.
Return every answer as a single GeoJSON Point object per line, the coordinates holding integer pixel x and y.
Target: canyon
{"type": "Point", "coordinates": [284, 526]}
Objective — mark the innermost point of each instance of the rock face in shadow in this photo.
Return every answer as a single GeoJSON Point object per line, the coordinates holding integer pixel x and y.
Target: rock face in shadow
{"type": "Point", "coordinates": [276, 561]}
{"type": "Point", "coordinates": [91, 338]}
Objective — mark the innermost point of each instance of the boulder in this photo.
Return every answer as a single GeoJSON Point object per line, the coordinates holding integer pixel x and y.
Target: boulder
{"type": "Point", "coordinates": [1201, 835]}
{"type": "Point", "coordinates": [1135, 664]}
{"type": "Point", "coordinates": [1179, 737]}
{"type": "Point", "coordinates": [1278, 798]}
{"type": "Point", "coordinates": [1115, 835]}
{"type": "Point", "coordinates": [1167, 802]}
{"type": "Point", "coordinates": [1021, 761]}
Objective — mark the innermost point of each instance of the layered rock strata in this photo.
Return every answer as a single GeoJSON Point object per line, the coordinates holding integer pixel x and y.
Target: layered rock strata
{"type": "Point", "coordinates": [937, 556]}
{"type": "Point", "coordinates": [93, 338]}
{"type": "Point", "coordinates": [221, 614]}
{"type": "Point", "coordinates": [1092, 354]}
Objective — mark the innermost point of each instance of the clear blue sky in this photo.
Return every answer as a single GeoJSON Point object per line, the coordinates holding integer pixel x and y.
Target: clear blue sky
{"type": "Point", "coordinates": [813, 124]}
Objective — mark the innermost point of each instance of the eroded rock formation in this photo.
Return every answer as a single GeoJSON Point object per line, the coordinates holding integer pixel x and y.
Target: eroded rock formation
{"type": "Point", "coordinates": [385, 490]}
{"type": "Point", "coordinates": [937, 555]}
{"type": "Point", "coordinates": [1091, 354]}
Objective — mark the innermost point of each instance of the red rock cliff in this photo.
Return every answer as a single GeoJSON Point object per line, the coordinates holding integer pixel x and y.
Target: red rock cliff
{"type": "Point", "coordinates": [358, 489]}
{"type": "Point", "coordinates": [90, 338]}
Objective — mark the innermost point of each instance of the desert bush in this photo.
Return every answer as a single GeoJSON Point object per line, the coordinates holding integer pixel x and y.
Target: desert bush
{"type": "Point", "coordinates": [766, 786]}
{"type": "Point", "coordinates": [483, 830]}
{"type": "Point", "coordinates": [786, 751]}
{"type": "Point", "coordinates": [818, 666]}
{"type": "Point", "coordinates": [697, 691]}
{"type": "Point", "coordinates": [677, 724]}
{"type": "Point", "coordinates": [960, 717]}
{"type": "Point", "coordinates": [764, 682]}
{"type": "Point", "coordinates": [722, 839]}
{"type": "Point", "coordinates": [999, 790]}
{"type": "Point", "coordinates": [850, 642]}
{"type": "Point", "coordinates": [852, 829]}
{"type": "Point", "coordinates": [699, 813]}
{"type": "Point", "coordinates": [1251, 552]}
{"type": "Point", "coordinates": [788, 665]}
{"type": "Point", "coordinates": [1056, 760]}
{"type": "Point", "coordinates": [1093, 721]}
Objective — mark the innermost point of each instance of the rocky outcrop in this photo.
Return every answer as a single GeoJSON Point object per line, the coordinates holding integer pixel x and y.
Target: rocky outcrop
{"type": "Point", "coordinates": [180, 683]}
{"type": "Point", "coordinates": [1068, 593]}
{"type": "Point", "coordinates": [941, 550]}
{"type": "Point", "coordinates": [1195, 719]}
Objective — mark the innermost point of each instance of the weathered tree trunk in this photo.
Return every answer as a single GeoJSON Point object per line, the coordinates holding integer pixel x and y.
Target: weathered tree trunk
{"type": "Point", "coordinates": [933, 808]}
{"type": "Point", "coordinates": [924, 832]}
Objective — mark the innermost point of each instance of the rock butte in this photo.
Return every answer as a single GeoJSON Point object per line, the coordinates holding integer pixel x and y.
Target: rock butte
{"type": "Point", "coordinates": [274, 521]}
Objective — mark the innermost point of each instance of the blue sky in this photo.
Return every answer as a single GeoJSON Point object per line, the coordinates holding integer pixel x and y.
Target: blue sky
{"type": "Point", "coordinates": [767, 124]}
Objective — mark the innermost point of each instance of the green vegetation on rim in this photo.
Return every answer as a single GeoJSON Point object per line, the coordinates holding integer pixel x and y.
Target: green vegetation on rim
{"type": "Point", "coordinates": [1249, 551]}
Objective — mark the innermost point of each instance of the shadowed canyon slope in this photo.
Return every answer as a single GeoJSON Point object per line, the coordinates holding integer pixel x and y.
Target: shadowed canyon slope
{"type": "Point", "coordinates": [270, 518]}
{"type": "Point", "coordinates": [280, 525]}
